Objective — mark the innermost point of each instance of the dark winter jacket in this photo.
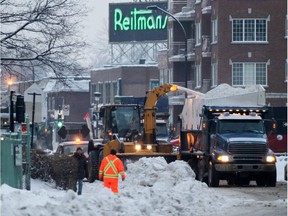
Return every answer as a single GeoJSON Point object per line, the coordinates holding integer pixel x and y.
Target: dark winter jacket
{"type": "Point", "coordinates": [82, 165]}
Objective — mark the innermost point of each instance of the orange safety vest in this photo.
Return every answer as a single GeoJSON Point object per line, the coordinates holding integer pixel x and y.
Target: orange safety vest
{"type": "Point", "coordinates": [110, 167]}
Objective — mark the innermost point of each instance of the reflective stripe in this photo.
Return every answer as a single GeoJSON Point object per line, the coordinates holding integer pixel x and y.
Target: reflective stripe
{"type": "Point", "coordinates": [111, 164]}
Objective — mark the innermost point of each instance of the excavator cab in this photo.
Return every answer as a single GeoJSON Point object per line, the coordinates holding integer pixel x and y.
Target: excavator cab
{"type": "Point", "coordinates": [120, 120]}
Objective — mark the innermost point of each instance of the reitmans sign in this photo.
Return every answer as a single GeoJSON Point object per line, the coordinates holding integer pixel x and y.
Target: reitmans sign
{"type": "Point", "coordinates": [133, 22]}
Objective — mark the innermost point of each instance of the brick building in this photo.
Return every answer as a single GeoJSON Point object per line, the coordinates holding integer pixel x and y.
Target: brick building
{"type": "Point", "coordinates": [133, 80]}
{"type": "Point", "coordinates": [240, 42]}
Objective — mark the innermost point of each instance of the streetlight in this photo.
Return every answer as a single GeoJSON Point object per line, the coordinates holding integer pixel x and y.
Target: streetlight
{"type": "Point", "coordinates": [97, 98]}
{"type": "Point", "coordinates": [155, 7]}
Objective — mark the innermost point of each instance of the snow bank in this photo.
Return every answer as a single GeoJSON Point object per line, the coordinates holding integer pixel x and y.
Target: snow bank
{"type": "Point", "coordinates": [152, 188]}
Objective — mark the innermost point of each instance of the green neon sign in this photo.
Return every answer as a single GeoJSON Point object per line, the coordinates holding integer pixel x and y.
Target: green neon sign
{"type": "Point", "coordinates": [139, 20]}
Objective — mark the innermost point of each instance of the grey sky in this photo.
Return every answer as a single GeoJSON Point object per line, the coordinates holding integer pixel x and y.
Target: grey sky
{"type": "Point", "coordinates": [93, 27]}
{"type": "Point", "coordinates": [94, 22]}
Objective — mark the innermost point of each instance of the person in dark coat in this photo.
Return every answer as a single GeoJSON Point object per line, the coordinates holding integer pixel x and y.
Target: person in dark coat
{"type": "Point", "coordinates": [82, 168]}
{"type": "Point", "coordinates": [90, 146]}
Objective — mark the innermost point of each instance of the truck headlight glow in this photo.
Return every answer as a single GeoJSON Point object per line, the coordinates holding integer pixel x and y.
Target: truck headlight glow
{"type": "Point", "coordinates": [149, 147]}
{"type": "Point", "coordinates": [223, 158]}
{"type": "Point", "coordinates": [270, 159]}
{"type": "Point", "coordinates": [137, 147]}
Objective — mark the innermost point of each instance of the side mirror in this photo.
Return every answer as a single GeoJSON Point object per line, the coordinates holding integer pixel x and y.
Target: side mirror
{"type": "Point", "coordinates": [279, 137]}
{"type": "Point", "coordinates": [212, 136]}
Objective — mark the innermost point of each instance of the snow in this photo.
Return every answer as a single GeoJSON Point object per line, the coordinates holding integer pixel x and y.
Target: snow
{"type": "Point", "coordinates": [152, 187]}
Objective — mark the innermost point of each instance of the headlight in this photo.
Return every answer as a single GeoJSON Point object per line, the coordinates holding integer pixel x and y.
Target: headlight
{"type": "Point", "coordinates": [223, 158]}
{"type": "Point", "coordinates": [270, 159]}
{"type": "Point", "coordinates": [149, 147]}
{"type": "Point", "coordinates": [138, 147]}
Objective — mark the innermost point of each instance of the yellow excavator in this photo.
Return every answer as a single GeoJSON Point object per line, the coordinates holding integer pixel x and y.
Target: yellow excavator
{"type": "Point", "coordinates": [132, 144]}
{"type": "Point", "coordinates": [123, 132]}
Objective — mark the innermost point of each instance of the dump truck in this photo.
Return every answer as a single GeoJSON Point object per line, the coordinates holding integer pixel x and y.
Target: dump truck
{"type": "Point", "coordinates": [224, 136]}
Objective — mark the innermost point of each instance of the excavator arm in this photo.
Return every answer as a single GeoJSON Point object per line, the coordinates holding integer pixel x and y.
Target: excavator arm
{"type": "Point", "coordinates": [150, 111]}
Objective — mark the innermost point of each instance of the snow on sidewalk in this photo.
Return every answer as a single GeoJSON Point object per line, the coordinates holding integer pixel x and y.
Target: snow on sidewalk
{"type": "Point", "coordinates": [152, 187]}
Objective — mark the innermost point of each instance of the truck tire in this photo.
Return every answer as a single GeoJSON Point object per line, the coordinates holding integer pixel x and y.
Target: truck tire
{"type": "Point", "coordinates": [213, 176]}
{"type": "Point", "coordinates": [100, 158]}
{"type": "Point", "coordinates": [271, 179]}
{"type": "Point", "coordinates": [201, 172]}
{"type": "Point", "coordinates": [92, 166]}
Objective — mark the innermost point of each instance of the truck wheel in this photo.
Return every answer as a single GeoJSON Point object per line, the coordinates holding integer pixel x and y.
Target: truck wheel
{"type": "Point", "coordinates": [201, 172]}
{"type": "Point", "coordinates": [92, 166]}
{"type": "Point", "coordinates": [271, 179]}
{"type": "Point", "coordinates": [213, 176]}
{"type": "Point", "coordinates": [99, 160]}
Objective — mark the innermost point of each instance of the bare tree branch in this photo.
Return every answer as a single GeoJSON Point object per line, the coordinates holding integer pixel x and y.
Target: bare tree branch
{"type": "Point", "coordinates": [41, 35]}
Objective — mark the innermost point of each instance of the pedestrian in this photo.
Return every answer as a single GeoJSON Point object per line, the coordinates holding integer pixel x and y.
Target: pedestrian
{"type": "Point", "coordinates": [81, 169]}
{"type": "Point", "coordinates": [90, 146]}
{"type": "Point", "coordinates": [110, 167]}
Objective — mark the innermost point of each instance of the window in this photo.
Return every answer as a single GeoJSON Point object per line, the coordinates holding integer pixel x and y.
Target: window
{"type": "Point", "coordinates": [286, 70]}
{"type": "Point", "coordinates": [214, 31]}
{"type": "Point", "coordinates": [249, 30]}
{"type": "Point", "coordinates": [119, 87]}
{"type": "Point", "coordinates": [249, 74]}
{"type": "Point", "coordinates": [214, 74]}
{"type": "Point", "coordinates": [107, 92]}
{"type": "Point", "coordinates": [198, 76]}
{"type": "Point", "coordinates": [286, 27]}
{"type": "Point", "coordinates": [170, 39]}
{"type": "Point", "coordinates": [198, 33]}
{"type": "Point", "coordinates": [154, 84]}
{"type": "Point", "coordinates": [102, 92]}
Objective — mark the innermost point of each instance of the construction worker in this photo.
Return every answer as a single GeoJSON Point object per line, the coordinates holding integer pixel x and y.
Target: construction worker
{"type": "Point", "coordinates": [110, 167]}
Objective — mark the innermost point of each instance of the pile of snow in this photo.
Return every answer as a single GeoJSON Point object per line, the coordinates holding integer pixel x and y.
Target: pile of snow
{"type": "Point", "coordinates": [152, 187]}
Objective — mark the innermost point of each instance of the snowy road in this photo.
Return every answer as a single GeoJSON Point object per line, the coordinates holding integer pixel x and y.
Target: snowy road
{"type": "Point", "coordinates": [261, 201]}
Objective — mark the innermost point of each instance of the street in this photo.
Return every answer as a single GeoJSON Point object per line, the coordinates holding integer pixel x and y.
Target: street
{"type": "Point", "coordinates": [256, 200]}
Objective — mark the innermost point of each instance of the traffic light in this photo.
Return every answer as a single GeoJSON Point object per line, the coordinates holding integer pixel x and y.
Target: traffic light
{"type": "Point", "coordinates": [85, 131]}
{"type": "Point", "coordinates": [20, 109]}
{"type": "Point", "coordinates": [59, 121]}
{"type": "Point", "coordinates": [62, 132]}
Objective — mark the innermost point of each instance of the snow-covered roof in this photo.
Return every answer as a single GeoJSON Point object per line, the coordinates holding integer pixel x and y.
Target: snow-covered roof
{"type": "Point", "coordinates": [121, 66]}
{"type": "Point", "coordinates": [70, 85]}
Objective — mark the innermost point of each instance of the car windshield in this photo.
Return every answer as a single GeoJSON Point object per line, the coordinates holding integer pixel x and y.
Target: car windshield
{"type": "Point", "coordinates": [237, 126]}
{"type": "Point", "coordinates": [70, 149]}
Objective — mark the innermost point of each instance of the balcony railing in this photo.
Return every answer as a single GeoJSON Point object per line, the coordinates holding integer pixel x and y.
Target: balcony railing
{"type": "Point", "coordinates": [206, 6]}
{"type": "Point", "coordinates": [176, 6]}
{"type": "Point", "coordinates": [178, 50]}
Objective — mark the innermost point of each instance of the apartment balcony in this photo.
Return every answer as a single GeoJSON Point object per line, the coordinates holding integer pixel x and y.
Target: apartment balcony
{"type": "Point", "coordinates": [187, 14]}
{"type": "Point", "coordinates": [177, 53]}
{"type": "Point", "coordinates": [206, 6]}
{"type": "Point", "coordinates": [177, 5]}
{"type": "Point", "coordinates": [206, 46]}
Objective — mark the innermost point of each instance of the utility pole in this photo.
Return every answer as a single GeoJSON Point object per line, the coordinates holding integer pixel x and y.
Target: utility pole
{"type": "Point", "coordinates": [12, 99]}
{"type": "Point", "coordinates": [33, 114]}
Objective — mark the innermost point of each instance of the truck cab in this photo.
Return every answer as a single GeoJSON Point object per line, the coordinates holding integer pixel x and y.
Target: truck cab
{"type": "Point", "coordinates": [232, 145]}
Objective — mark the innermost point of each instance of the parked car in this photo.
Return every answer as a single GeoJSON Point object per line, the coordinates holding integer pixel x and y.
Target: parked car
{"type": "Point", "coordinates": [69, 147]}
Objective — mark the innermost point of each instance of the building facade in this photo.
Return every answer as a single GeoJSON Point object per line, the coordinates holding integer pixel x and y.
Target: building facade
{"type": "Point", "coordinates": [240, 42]}
{"type": "Point", "coordinates": [132, 80]}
